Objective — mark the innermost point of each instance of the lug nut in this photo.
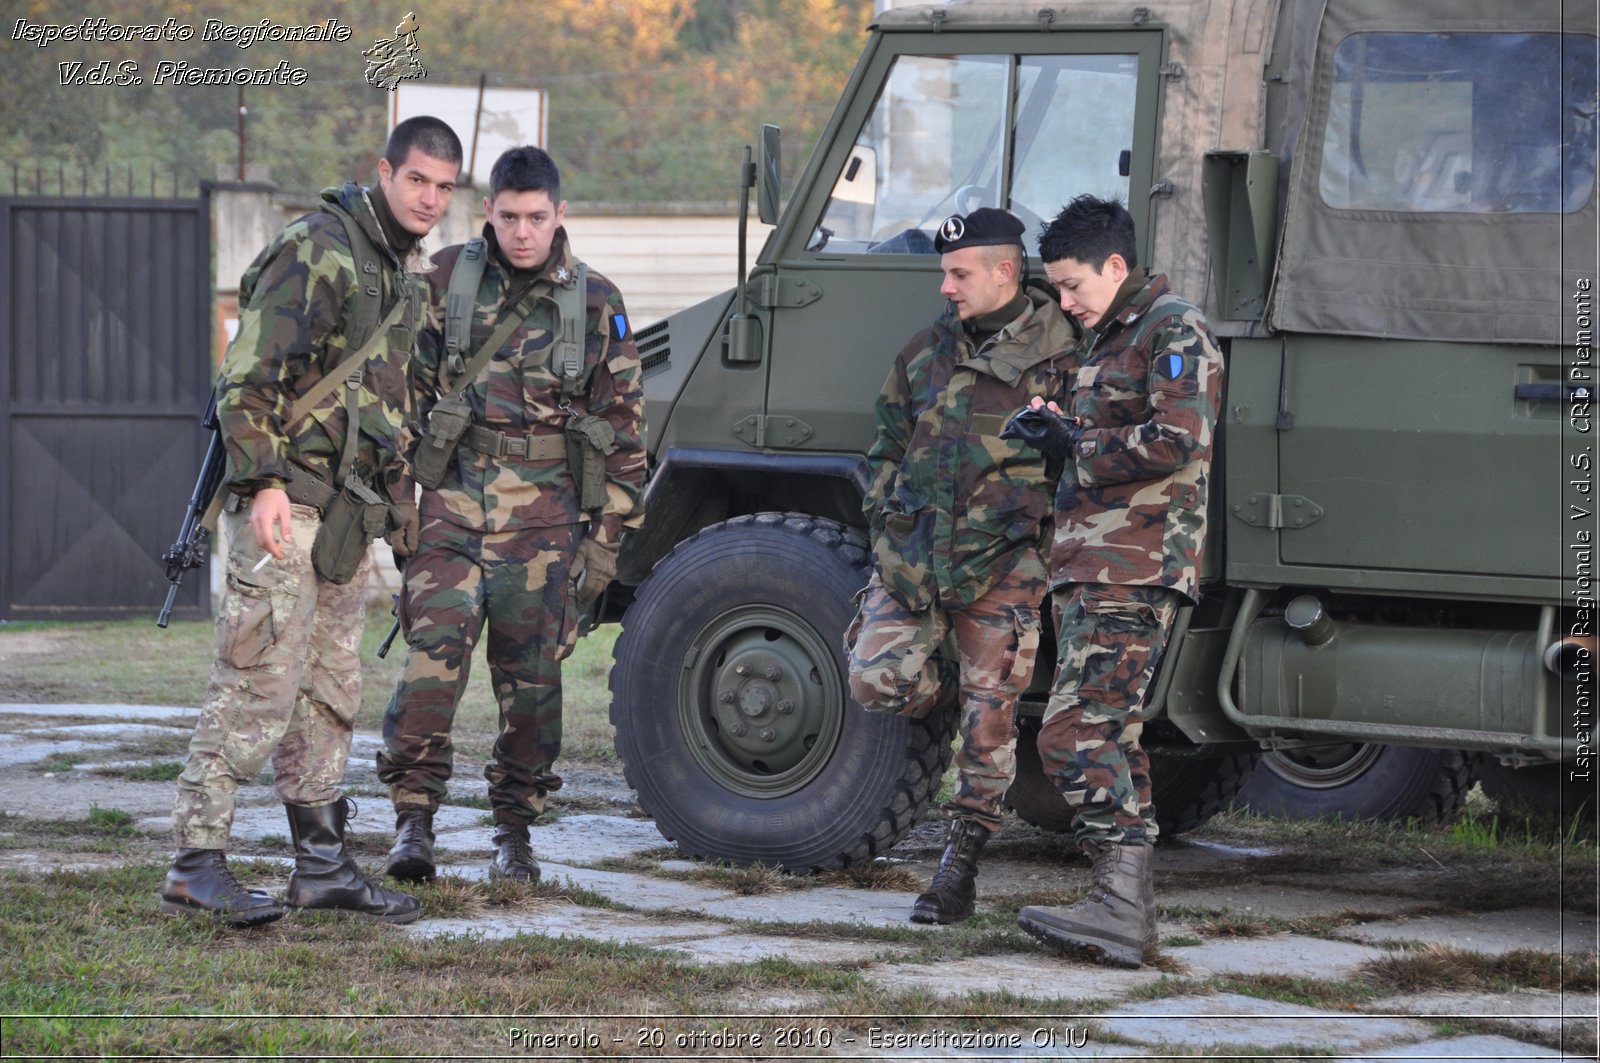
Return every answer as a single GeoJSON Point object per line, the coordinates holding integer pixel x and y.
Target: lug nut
{"type": "Point", "coordinates": [737, 728]}
{"type": "Point", "coordinates": [774, 673]}
{"type": "Point", "coordinates": [786, 706]}
{"type": "Point", "coordinates": [768, 734]}
{"type": "Point", "coordinates": [726, 697]}
{"type": "Point", "coordinates": [741, 669]}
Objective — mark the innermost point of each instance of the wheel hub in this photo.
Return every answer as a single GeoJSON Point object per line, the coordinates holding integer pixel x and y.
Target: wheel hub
{"type": "Point", "coordinates": [756, 701]}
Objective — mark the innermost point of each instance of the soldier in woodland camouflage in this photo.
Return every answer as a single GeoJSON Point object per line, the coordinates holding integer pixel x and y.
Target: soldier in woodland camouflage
{"type": "Point", "coordinates": [1135, 439]}
{"type": "Point", "coordinates": [286, 683]}
{"type": "Point", "coordinates": [958, 518]}
{"type": "Point", "coordinates": [512, 535]}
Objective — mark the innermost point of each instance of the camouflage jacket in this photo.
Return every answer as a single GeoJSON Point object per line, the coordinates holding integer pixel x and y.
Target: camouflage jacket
{"type": "Point", "coordinates": [295, 300]}
{"type": "Point", "coordinates": [1130, 508]}
{"type": "Point", "coordinates": [518, 393]}
{"type": "Point", "coordinates": [953, 508]}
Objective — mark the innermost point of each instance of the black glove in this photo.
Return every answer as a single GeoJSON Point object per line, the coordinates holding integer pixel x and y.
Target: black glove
{"type": "Point", "coordinates": [1044, 430]}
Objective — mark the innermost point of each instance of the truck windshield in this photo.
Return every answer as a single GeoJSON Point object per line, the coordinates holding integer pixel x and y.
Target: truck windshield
{"type": "Point", "coordinates": [1467, 122]}
{"type": "Point", "coordinates": [943, 137]}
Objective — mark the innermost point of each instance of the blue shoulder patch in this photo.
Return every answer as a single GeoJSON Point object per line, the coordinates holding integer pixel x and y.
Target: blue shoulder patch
{"type": "Point", "coordinates": [619, 326]}
{"type": "Point", "coordinates": [1171, 366]}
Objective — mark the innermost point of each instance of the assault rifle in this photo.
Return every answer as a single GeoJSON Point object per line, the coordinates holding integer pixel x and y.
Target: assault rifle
{"type": "Point", "coordinates": [194, 537]}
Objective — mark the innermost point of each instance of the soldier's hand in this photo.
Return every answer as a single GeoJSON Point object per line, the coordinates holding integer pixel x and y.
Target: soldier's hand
{"type": "Point", "coordinates": [406, 536]}
{"type": "Point", "coordinates": [595, 568]}
{"type": "Point", "coordinates": [1044, 429]}
{"type": "Point", "coordinates": [269, 510]}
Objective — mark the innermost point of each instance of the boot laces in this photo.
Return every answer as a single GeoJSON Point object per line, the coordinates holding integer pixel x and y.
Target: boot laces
{"type": "Point", "coordinates": [519, 848]}
{"type": "Point", "coordinates": [225, 873]}
{"type": "Point", "coordinates": [1104, 861]}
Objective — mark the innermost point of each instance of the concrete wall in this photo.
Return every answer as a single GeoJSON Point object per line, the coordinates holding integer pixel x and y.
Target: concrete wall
{"type": "Point", "coordinates": [663, 262]}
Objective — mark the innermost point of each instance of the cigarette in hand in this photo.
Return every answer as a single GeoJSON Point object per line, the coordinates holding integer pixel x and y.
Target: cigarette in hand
{"type": "Point", "coordinates": [262, 563]}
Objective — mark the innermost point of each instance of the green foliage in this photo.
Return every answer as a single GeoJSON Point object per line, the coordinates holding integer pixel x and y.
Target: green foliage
{"type": "Point", "coordinates": [109, 819]}
{"type": "Point", "coordinates": [649, 99]}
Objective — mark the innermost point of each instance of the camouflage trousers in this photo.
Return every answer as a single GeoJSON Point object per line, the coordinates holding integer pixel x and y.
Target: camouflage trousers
{"type": "Point", "coordinates": [286, 683]}
{"type": "Point", "coordinates": [1109, 642]}
{"type": "Point", "coordinates": [518, 582]}
{"type": "Point", "coordinates": [895, 667]}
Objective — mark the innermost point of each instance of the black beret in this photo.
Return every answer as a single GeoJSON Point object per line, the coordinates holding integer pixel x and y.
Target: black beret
{"type": "Point", "coordinates": [984, 227]}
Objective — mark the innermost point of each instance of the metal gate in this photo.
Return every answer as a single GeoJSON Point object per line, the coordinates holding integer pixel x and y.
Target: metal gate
{"type": "Point", "coordinates": [105, 366]}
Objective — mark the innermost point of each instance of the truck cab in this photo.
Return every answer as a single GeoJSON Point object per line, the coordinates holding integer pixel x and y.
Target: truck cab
{"type": "Point", "coordinates": [1387, 211]}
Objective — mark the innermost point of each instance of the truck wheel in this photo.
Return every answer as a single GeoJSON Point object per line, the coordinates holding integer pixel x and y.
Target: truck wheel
{"type": "Point", "coordinates": [1360, 781]}
{"type": "Point", "coordinates": [733, 720]}
{"type": "Point", "coordinates": [1186, 791]}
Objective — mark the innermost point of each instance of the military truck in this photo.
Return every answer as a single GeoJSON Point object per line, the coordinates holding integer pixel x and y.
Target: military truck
{"type": "Point", "coordinates": [1387, 209]}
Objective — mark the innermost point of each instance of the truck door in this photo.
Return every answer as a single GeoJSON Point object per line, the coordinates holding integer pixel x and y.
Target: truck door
{"type": "Point", "coordinates": [996, 121]}
{"type": "Point", "coordinates": [1444, 163]}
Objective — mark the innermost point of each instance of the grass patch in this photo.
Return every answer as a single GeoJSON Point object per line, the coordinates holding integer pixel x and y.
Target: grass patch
{"type": "Point", "coordinates": [160, 771]}
{"type": "Point", "coordinates": [376, 984]}
{"type": "Point", "coordinates": [1238, 925]}
{"type": "Point", "coordinates": [58, 762]}
{"type": "Point", "coordinates": [1309, 992]}
{"type": "Point", "coordinates": [113, 820]}
{"type": "Point", "coordinates": [874, 875]}
{"type": "Point", "coordinates": [1444, 967]}
{"type": "Point", "coordinates": [133, 662]}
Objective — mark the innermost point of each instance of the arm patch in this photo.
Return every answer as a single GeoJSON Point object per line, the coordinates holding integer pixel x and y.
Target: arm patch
{"type": "Point", "coordinates": [619, 327]}
{"type": "Point", "coordinates": [1173, 366]}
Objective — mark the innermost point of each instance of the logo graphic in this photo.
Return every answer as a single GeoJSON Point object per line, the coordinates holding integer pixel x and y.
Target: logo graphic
{"type": "Point", "coordinates": [395, 60]}
{"type": "Point", "coordinates": [953, 229]}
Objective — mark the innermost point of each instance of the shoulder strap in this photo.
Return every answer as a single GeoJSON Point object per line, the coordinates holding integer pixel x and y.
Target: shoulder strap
{"type": "Point", "coordinates": [572, 307]}
{"type": "Point", "coordinates": [502, 332]}
{"type": "Point", "coordinates": [368, 306]}
{"type": "Point", "coordinates": [462, 298]}
{"type": "Point", "coordinates": [352, 366]}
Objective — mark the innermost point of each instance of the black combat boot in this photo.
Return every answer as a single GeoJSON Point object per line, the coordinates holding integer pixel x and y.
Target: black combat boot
{"type": "Point", "coordinates": [326, 878]}
{"type": "Point", "coordinates": [200, 883]}
{"type": "Point", "coordinates": [1110, 923]}
{"type": "Point", "coordinates": [953, 893]}
{"type": "Point", "coordinates": [411, 859]}
{"type": "Point", "coordinates": [513, 855]}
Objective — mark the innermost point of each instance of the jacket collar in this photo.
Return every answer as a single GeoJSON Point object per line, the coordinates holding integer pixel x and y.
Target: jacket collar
{"type": "Point", "coordinates": [1039, 333]}
{"type": "Point", "coordinates": [356, 201]}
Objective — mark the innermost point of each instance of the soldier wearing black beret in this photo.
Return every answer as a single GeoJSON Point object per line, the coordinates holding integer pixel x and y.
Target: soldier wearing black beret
{"type": "Point", "coordinates": [957, 516]}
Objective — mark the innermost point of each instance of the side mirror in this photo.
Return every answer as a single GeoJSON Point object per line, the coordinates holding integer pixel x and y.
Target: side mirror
{"type": "Point", "coordinates": [768, 174]}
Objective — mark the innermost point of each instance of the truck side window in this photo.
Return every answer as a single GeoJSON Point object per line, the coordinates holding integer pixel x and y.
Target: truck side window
{"type": "Point", "coordinates": [1475, 123]}
{"type": "Point", "coordinates": [1074, 123]}
{"type": "Point", "coordinates": [931, 146]}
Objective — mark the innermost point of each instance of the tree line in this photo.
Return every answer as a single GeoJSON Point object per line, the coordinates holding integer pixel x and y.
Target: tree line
{"type": "Point", "coordinates": [649, 100]}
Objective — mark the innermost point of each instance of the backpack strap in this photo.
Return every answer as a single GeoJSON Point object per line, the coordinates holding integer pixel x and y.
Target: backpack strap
{"type": "Point", "coordinates": [367, 308]}
{"type": "Point", "coordinates": [495, 340]}
{"type": "Point", "coordinates": [350, 368]}
{"type": "Point", "coordinates": [461, 299]}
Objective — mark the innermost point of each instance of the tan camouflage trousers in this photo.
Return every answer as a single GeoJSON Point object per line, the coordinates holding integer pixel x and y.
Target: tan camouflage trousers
{"type": "Point", "coordinates": [895, 667]}
{"type": "Point", "coordinates": [518, 582]}
{"type": "Point", "coordinates": [286, 683]}
{"type": "Point", "coordinates": [1109, 641]}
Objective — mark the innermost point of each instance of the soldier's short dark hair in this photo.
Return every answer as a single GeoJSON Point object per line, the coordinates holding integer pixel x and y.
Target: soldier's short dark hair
{"type": "Point", "coordinates": [428, 135]}
{"type": "Point", "coordinates": [525, 169]}
{"type": "Point", "coordinates": [1090, 230]}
